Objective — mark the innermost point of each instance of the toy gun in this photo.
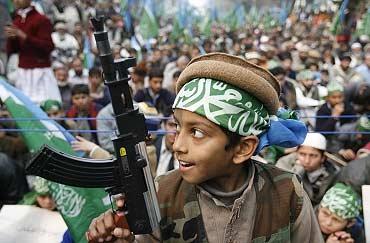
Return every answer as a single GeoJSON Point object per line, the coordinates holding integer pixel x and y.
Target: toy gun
{"type": "Point", "coordinates": [128, 173]}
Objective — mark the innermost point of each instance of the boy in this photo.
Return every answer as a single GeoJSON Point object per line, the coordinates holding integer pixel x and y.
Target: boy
{"type": "Point", "coordinates": [99, 93]}
{"type": "Point", "coordinates": [337, 212]}
{"type": "Point", "coordinates": [310, 163]}
{"type": "Point", "coordinates": [54, 110]}
{"type": "Point", "coordinates": [164, 146]}
{"type": "Point", "coordinates": [83, 107]}
{"type": "Point", "coordinates": [219, 194]}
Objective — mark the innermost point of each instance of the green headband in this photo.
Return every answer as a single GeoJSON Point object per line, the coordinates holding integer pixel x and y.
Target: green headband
{"type": "Point", "coordinates": [342, 200]}
{"type": "Point", "coordinates": [225, 105]}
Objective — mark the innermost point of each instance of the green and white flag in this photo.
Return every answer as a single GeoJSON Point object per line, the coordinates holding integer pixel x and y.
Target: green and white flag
{"type": "Point", "coordinates": [78, 206]}
{"type": "Point", "coordinates": [148, 24]}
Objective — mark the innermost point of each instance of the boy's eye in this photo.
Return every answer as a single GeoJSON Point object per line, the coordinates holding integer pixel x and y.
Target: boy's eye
{"type": "Point", "coordinates": [197, 133]}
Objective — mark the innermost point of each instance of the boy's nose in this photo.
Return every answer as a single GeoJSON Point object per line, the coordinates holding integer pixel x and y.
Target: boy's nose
{"type": "Point", "coordinates": [179, 146]}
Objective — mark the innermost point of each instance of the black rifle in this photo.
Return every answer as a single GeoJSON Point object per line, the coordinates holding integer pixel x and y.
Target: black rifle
{"type": "Point", "coordinates": [128, 173]}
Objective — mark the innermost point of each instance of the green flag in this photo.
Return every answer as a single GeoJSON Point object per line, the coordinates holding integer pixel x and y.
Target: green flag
{"type": "Point", "coordinates": [78, 206]}
{"type": "Point", "coordinates": [148, 24]}
{"type": "Point", "coordinates": [205, 27]}
{"type": "Point", "coordinates": [176, 32]}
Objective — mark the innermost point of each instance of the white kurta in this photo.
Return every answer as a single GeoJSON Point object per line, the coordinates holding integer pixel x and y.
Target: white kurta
{"type": "Point", "coordinates": [38, 84]}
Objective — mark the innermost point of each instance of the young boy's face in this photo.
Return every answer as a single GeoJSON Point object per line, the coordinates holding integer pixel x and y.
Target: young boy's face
{"type": "Point", "coordinates": [335, 98]}
{"type": "Point", "coordinates": [46, 201]}
{"type": "Point", "coordinates": [81, 101]}
{"type": "Point", "coordinates": [200, 149]}
{"type": "Point", "coordinates": [310, 158]}
{"type": "Point", "coordinates": [330, 222]}
{"type": "Point", "coordinates": [55, 113]}
{"type": "Point", "coordinates": [170, 127]}
{"type": "Point", "coordinates": [95, 79]}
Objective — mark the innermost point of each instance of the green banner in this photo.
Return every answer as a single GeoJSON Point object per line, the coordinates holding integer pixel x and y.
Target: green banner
{"type": "Point", "coordinates": [78, 206]}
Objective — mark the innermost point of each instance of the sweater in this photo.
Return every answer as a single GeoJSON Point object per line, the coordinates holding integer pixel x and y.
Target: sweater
{"type": "Point", "coordinates": [34, 51]}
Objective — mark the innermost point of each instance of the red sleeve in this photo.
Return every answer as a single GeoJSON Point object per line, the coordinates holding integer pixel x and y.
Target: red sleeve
{"type": "Point", "coordinates": [42, 38]}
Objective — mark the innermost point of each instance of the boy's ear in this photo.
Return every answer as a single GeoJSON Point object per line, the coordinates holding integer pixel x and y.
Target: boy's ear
{"type": "Point", "coordinates": [245, 149]}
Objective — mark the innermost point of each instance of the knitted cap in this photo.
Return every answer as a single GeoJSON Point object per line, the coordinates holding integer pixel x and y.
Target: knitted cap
{"type": "Point", "coordinates": [363, 124]}
{"type": "Point", "coordinates": [251, 78]}
{"type": "Point", "coordinates": [305, 75]}
{"type": "Point", "coordinates": [334, 86]}
{"type": "Point", "coordinates": [49, 105]}
{"type": "Point", "coordinates": [342, 200]}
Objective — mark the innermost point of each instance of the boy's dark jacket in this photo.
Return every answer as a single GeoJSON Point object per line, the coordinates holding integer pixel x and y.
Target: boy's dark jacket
{"type": "Point", "coordinates": [278, 206]}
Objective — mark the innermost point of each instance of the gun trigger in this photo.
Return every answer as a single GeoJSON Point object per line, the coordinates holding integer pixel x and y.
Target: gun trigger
{"type": "Point", "coordinates": [120, 220]}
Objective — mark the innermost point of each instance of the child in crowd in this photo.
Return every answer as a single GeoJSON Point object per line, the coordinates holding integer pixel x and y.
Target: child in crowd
{"type": "Point", "coordinates": [54, 110]}
{"type": "Point", "coordinates": [40, 195]}
{"type": "Point", "coordinates": [311, 164]}
{"type": "Point", "coordinates": [337, 212]}
{"type": "Point", "coordinates": [99, 93]}
{"type": "Point", "coordinates": [83, 107]}
{"type": "Point", "coordinates": [219, 194]}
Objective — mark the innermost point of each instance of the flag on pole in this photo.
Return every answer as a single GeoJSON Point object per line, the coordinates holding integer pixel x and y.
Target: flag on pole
{"type": "Point", "coordinates": [148, 23]}
{"type": "Point", "coordinates": [88, 56]}
{"type": "Point", "coordinates": [78, 206]}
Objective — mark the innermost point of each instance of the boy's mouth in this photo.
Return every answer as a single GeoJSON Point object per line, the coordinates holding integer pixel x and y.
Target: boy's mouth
{"type": "Point", "coordinates": [185, 164]}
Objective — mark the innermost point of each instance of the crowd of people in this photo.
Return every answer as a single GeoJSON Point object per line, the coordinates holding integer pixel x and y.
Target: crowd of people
{"type": "Point", "coordinates": [325, 78]}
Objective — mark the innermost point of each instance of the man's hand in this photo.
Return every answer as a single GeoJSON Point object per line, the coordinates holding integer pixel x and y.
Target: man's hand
{"type": "Point", "coordinates": [347, 154]}
{"type": "Point", "coordinates": [104, 229]}
{"type": "Point", "coordinates": [12, 31]}
{"type": "Point", "coordinates": [340, 237]}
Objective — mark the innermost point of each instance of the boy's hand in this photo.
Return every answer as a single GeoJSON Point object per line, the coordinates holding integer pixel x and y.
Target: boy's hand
{"type": "Point", "coordinates": [337, 109]}
{"type": "Point", "coordinates": [12, 31]}
{"type": "Point", "coordinates": [347, 154]}
{"type": "Point", "coordinates": [104, 229]}
{"type": "Point", "coordinates": [340, 237]}
{"type": "Point", "coordinates": [81, 144]}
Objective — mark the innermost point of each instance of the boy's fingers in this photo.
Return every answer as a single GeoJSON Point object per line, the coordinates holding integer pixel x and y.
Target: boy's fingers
{"type": "Point", "coordinates": [101, 227]}
{"type": "Point", "coordinates": [120, 203]}
{"type": "Point", "coordinates": [92, 233]}
{"type": "Point", "coordinates": [119, 199]}
{"type": "Point", "coordinates": [109, 221]}
{"type": "Point", "coordinates": [124, 234]}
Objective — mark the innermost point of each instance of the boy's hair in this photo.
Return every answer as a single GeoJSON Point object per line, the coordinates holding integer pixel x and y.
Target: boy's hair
{"type": "Point", "coordinates": [140, 69]}
{"type": "Point", "coordinates": [80, 89]}
{"type": "Point", "coordinates": [155, 73]}
{"type": "Point", "coordinates": [93, 72]}
{"type": "Point", "coordinates": [233, 138]}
